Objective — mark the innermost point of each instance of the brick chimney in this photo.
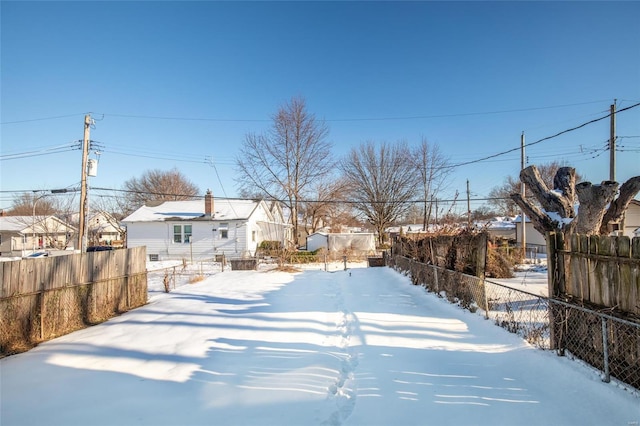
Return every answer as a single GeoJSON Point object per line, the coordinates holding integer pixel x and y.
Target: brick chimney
{"type": "Point", "coordinates": [208, 204]}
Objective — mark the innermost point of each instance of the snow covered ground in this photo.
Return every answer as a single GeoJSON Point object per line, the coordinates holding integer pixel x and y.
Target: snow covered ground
{"type": "Point", "coordinates": [355, 347]}
{"type": "Point", "coordinates": [531, 278]}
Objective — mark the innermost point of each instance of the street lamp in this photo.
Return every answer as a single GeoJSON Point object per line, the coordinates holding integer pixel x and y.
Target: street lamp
{"type": "Point", "coordinates": [35, 202]}
{"type": "Point", "coordinates": [33, 224]}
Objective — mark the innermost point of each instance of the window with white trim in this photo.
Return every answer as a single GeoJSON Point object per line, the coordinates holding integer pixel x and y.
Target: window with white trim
{"type": "Point", "coordinates": [224, 230]}
{"type": "Point", "coordinates": [182, 233]}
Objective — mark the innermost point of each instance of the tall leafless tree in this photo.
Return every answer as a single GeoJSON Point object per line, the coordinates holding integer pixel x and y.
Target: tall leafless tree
{"type": "Point", "coordinates": [157, 185]}
{"type": "Point", "coordinates": [433, 170]}
{"type": "Point", "coordinates": [27, 204]}
{"type": "Point", "coordinates": [285, 162]}
{"type": "Point", "coordinates": [382, 180]}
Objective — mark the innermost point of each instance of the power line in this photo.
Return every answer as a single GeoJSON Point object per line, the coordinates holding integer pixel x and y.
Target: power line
{"type": "Point", "coordinates": [47, 151]}
{"type": "Point", "coordinates": [42, 119]}
{"type": "Point", "coordinates": [540, 140]}
{"type": "Point", "coordinates": [242, 120]}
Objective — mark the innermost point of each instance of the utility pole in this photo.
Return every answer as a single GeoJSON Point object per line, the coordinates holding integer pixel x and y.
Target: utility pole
{"type": "Point", "coordinates": [523, 192]}
{"type": "Point", "coordinates": [82, 239]}
{"type": "Point", "coordinates": [612, 143]}
{"type": "Point", "coordinates": [468, 206]}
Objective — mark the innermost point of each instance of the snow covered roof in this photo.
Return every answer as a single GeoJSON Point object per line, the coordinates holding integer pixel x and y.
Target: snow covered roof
{"type": "Point", "coordinates": [23, 223]}
{"type": "Point", "coordinates": [15, 223]}
{"type": "Point", "coordinates": [226, 209]}
{"type": "Point", "coordinates": [498, 223]}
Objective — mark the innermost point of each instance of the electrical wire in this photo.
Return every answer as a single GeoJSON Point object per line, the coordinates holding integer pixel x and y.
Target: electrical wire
{"type": "Point", "coordinates": [540, 140]}
{"type": "Point", "coordinates": [53, 150]}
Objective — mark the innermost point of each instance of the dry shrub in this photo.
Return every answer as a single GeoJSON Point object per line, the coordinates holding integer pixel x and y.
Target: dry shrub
{"type": "Point", "coordinates": [498, 265]}
{"type": "Point", "coordinates": [285, 268]}
{"type": "Point", "coordinates": [196, 279]}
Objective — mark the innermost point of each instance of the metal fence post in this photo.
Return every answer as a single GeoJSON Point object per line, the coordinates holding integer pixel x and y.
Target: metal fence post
{"type": "Point", "coordinates": [605, 350]}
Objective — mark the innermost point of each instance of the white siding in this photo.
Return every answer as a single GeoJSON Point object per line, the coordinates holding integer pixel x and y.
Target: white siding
{"type": "Point", "coordinates": [206, 239]}
{"type": "Point", "coordinates": [632, 219]}
{"type": "Point", "coordinates": [317, 241]}
{"type": "Point", "coordinates": [339, 242]}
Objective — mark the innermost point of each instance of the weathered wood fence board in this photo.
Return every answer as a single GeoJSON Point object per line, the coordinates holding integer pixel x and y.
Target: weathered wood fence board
{"type": "Point", "coordinates": [44, 298]}
{"type": "Point", "coordinates": [600, 270]}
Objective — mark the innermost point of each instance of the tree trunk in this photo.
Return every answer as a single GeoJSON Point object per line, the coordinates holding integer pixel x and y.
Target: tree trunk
{"type": "Point", "coordinates": [541, 221]}
{"type": "Point", "coordinates": [616, 210]}
{"type": "Point", "coordinates": [552, 201]}
{"type": "Point", "coordinates": [594, 200]}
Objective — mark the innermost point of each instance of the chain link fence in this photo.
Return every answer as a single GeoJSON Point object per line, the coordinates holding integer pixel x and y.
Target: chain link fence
{"type": "Point", "coordinates": [168, 278]}
{"type": "Point", "coordinates": [607, 343]}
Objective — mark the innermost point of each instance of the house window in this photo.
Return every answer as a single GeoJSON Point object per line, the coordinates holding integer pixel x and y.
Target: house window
{"type": "Point", "coordinates": [253, 236]}
{"type": "Point", "coordinates": [224, 230]}
{"type": "Point", "coordinates": [182, 233]}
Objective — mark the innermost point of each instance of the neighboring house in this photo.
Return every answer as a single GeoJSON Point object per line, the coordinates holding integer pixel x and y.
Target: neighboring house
{"type": "Point", "coordinates": [102, 228]}
{"type": "Point", "coordinates": [337, 244]}
{"type": "Point", "coordinates": [631, 220]}
{"type": "Point", "coordinates": [534, 239]}
{"type": "Point", "coordinates": [197, 229]}
{"type": "Point", "coordinates": [499, 227]}
{"type": "Point", "coordinates": [22, 235]}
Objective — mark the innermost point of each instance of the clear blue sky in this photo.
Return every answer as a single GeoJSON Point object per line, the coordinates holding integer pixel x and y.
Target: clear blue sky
{"type": "Point", "coordinates": [468, 76]}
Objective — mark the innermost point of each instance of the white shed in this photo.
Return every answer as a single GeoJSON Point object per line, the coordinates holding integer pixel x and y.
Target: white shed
{"type": "Point", "coordinates": [338, 243]}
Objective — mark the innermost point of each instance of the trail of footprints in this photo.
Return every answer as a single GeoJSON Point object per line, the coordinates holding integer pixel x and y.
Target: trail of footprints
{"type": "Point", "coordinates": [343, 391]}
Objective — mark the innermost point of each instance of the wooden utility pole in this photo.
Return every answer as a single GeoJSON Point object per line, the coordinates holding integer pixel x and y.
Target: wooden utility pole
{"type": "Point", "coordinates": [523, 192]}
{"type": "Point", "coordinates": [612, 144]}
{"type": "Point", "coordinates": [468, 206]}
{"type": "Point", "coordinates": [82, 232]}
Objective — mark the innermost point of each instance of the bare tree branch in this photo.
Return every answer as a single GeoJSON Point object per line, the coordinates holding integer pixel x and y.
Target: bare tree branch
{"type": "Point", "coordinates": [382, 181]}
{"type": "Point", "coordinates": [616, 210]}
{"type": "Point", "coordinates": [285, 162]}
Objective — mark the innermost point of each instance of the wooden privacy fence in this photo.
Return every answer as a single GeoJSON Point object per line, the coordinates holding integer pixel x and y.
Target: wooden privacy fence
{"type": "Point", "coordinates": [597, 270]}
{"type": "Point", "coordinates": [44, 298]}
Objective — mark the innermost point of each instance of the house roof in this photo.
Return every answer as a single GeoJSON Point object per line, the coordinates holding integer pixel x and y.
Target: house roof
{"type": "Point", "coordinates": [15, 223]}
{"type": "Point", "coordinates": [227, 209]}
{"type": "Point", "coordinates": [24, 223]}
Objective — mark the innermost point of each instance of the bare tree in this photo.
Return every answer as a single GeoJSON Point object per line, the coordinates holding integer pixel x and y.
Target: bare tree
{"type": "Point", "coordinates": [35, 210]}
{"type": "Point", "coordinates": [382, 180]}
{"type": "Point", "coordinates": [285, 162]}
{"type": "Point", "coordinates": [324, 204]}
{"type": "Point", "coordinates": [598, 203]}
{"type": "Point", "coordinates": [433, 170]}
{"type": "Point", "coordinates": [157, 185]}
{"type": "Point", "coordinates": [28, 204]}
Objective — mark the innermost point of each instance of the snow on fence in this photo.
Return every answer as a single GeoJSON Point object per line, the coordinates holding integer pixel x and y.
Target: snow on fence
{"type": "Point", "coordinates": [44, 298]}
{"type": "Point", "coordinates": [608, 343]}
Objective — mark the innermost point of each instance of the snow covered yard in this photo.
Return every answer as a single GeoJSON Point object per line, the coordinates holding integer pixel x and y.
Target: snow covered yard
{"type": "Point", "coordinates": [356, 347]}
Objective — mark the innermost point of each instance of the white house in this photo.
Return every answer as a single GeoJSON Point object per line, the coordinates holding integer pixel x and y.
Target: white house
{"type": "Point", "coordinates": [631, 220]}
{"type": "Point", "coordinates": [102, 228]}
{"type": "Point", "coordinates": [335, 244]}
{"type": "Point", "coordinates": [22, 235]}
{"type": "Point", "coordinates": [204, 229]}
{"type": "Point", "coordinates": [534, 239]}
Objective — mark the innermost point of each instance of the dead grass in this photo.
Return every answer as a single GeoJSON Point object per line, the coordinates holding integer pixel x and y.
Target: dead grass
{"type": "Point", "coordinates": [196, 279]}
{"type": "Point", "coordinates": [286, 268]}
{"type": "Point", "coordinates": [498, 265]}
